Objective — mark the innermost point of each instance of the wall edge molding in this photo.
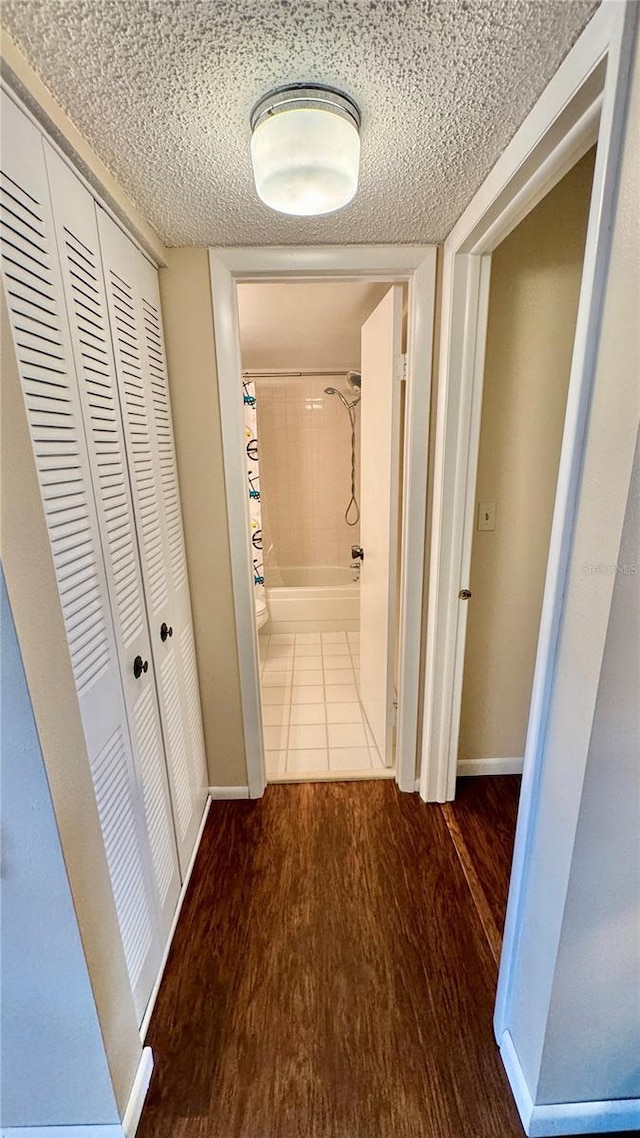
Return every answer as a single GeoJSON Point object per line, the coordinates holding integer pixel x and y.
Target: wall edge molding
{"type": "Point", "coordinates": [138, 1093]}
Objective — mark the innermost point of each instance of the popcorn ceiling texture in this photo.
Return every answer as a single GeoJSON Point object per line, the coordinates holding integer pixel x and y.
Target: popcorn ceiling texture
{"type": "Point", "coordinates": [162, 91]}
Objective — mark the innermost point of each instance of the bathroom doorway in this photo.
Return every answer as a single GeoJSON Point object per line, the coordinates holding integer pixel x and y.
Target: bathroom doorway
{"type": "Point", "coordinates": [322, 397]}
{"type": "Point", "coordinates": [410, 266]}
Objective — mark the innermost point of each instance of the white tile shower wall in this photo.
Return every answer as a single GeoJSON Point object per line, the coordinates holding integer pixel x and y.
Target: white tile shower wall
{"type": "Point", "coordinates": [305, 461]}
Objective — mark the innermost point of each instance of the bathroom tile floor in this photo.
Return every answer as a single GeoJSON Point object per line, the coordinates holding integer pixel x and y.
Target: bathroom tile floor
{"type": "Point", "coordinates": [313, 721]}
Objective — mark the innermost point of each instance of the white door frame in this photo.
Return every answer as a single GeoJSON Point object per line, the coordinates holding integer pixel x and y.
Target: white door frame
{"type": "Point", "coordinates": [584, 102]}
{"type": "Point", "coordinates": [415, 265]}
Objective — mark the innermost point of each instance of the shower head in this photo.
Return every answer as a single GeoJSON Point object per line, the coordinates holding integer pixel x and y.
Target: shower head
{"type": "Point", "coordinates": [350, 406]}
{"type": "Point", "coordinates": [334, 391]}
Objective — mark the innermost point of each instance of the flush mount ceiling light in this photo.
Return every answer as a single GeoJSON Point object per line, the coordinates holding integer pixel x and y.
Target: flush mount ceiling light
{"type": "Point", "coordinates": [305, 149]}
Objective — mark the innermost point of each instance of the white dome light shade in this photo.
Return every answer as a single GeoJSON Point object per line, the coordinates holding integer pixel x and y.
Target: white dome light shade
{"type": "Point", "coordinates": [305, 150]}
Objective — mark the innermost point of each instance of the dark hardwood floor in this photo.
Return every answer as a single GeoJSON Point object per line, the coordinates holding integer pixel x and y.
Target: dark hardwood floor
{"type": "Point", "coordinates": [329, 978]}
{"type": "Point", "coordinates": [482, 825]}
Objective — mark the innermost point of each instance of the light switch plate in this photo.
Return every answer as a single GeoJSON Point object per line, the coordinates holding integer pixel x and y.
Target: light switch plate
{"type": "Point", "coordinates": [486, 515]}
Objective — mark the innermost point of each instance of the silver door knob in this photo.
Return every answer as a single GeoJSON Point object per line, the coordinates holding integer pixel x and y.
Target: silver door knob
{"type": "Point", "coordinates": [465, 594]}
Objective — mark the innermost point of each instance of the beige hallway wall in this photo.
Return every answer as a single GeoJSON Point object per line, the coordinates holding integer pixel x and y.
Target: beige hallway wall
{"type": "Point", "coordinates": [535, 284]}
{"type": "Point", "coordinates": [188, 323]}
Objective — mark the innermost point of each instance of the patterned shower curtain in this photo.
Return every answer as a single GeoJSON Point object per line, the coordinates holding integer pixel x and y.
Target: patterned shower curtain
{"type": "Point", "coordinates": [253, 487]}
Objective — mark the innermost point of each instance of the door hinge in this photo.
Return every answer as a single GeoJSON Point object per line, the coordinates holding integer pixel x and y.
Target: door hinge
{"type": "Point", "coordinates": [401, 369]}
{"type": "Point", "coordinates": [394, 713]}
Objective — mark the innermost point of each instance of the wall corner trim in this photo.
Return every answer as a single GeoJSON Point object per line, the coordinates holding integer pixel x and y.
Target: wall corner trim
{"type": "Point", "coordinates": [544, 1120]}
{"type": "Point", "coordinates": [228, 793]}
{"type": "Point", "coordinates": [469, 767]}
{"type": "Point", "coordinates": [138, 1094]}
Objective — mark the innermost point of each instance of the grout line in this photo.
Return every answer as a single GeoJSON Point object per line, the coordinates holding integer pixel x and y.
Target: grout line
{"type": "Point", "coordinates": [324, 697]}
{"type": "Point", "coordinates": [362, 712]}
{"type": "Point", "coordinates": [286, 746]}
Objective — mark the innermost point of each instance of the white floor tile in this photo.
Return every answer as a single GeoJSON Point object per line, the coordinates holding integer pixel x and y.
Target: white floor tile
{"type": "Point", "coordinates": [312, 694]}
{"type": "Point", "coordinates": [275, 762]}
{"type": "Point", "coordinates": [347, 735]}
{"type": "Point", "coordinates": [338, 676]}
{"type": "Point", "coordinates": [307, 762]}
{"type": "Point", "coordinates": [275, 738]}
{"type": "Point", "coordinates": [282, 638]}
{"type": "Point", "coordinates": [273, 695]}
{"type": "Point", "coordinates": [341, 693]}
{"type": "Point", "coordinates": [309, 650]}
{"type": "Point", "coordinates": [276, 679]}
{"type": "Point", "coordinates": [304, 679]}
{"type": "Point", "coordinates": [278, 663]}
{"type": "Point", "coordinates": [333, 637]}
{"type": "Point", "coordinates": [280, 650]}
{"type": "Point", "coordinates": [344, 713]}
{"type": "Point", "coordinates": [275, 714]}
{"type": "Point", "coordinates": [329, 650]}
{"type": "Point", "coordinates": [307, 638]}
{"type": "Point", "coordinates": [306, 663]}
{"type": "Point", "coordinates": [376, 759]}
{"type": "Point", "coordinates": [349, 759]}
{"type": "Point", "coordinates": [331, 663]}
{"type": "Point", "coordinates": [307, 736]}
{"type": "Point", "coordinates": [308, 713]}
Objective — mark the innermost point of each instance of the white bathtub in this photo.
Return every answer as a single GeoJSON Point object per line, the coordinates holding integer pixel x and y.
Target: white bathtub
{"type": "Point", "coordinates": [323, 596]}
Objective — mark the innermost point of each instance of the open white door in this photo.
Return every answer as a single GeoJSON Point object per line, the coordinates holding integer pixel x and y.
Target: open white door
{"type": "Point", "coordinates": [381, 367]}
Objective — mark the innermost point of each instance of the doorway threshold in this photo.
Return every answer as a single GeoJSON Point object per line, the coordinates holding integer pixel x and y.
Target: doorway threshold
{"type": "Point", "coordinates": [333, 776]}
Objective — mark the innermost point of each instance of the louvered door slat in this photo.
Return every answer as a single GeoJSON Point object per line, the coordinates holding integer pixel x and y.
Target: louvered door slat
{"type": "Point", "coordinates": [83, 281]}
{"type": "Point", "coordinates": [35, 300]}
{"type": "Point", "coordinates": [132, 287]}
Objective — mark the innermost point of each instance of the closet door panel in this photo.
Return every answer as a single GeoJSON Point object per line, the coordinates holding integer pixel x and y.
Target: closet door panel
{"type": "Point", "coordinates": [139, 354]}
{"type": "Point", "coordinates": [163, 433]}
{"type": "Point", "coordinates": [79, 250]}
{"type": "Point", "coordinates": [33, 288]}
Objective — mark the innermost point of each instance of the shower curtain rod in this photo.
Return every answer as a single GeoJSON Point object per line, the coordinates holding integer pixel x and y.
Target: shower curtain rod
{"type": "Point", "coordinates": [305, 371]}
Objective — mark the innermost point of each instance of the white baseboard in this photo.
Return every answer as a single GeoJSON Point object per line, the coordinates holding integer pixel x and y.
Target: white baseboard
{"type": "Point", "coordinates": [138, 1093]}
{"type": "Point", "coordinates": [228, 793]}
{"type": "Point", "coordinates": [98, 1130]}
{"type": "Point", "coordinates": [545, 1121]}
{"type": "Point", "coordinates": [106, 1130]}
{"type": "Point", "coordinates": [144, 1026]}
{"type": "Point", "coordinates": [467, 767]}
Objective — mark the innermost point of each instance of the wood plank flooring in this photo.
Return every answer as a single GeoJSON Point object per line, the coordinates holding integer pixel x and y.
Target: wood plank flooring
{"type": "Point", "coordinates": [482, 824]}
{"type": "Point", "coordinates": [329, 978]}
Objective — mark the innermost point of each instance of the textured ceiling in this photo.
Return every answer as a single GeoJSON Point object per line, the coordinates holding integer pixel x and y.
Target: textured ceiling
{"type": "Point", "coordinates": [162, 89]}
{"type": "Point", "coordinates": [306, 324]}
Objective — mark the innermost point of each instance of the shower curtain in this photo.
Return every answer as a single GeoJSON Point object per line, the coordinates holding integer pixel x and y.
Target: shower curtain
{"type": "Point", "coordinates": [253, 488]}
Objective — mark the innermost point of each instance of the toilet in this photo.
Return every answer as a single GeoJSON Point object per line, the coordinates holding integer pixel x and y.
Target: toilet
{"type": "Point", "coordinates": [262, 612]}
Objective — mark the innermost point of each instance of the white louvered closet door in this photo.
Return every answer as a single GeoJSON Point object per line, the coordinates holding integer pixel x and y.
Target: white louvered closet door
{"type": "Point", "coordinates": [132, 290]}
{"type": "Point", "coordinates": [33, 288]}
{"type": "Point", "coordinates": [79, 253]}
